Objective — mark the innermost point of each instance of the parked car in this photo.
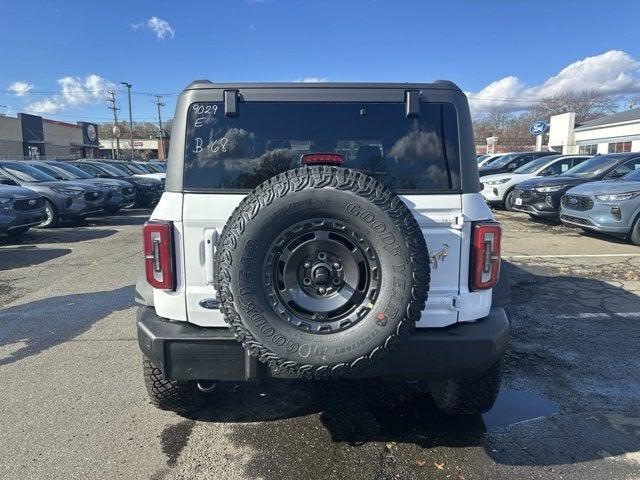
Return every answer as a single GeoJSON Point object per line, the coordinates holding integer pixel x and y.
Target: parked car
{"type": "Point", "coordinates": [136, 170]}
{"type": "Point", "coordinates": [491, 158]}
{"type": "Point", "coordinates": [63, 200]}
{"type": "Point", "coordinates": [540, 197]}
{"type": "Point", "coordinates": [148, 190]}
{"type": "Point", "coordinates": [511, 161]}
{"type": "Point", "coordinates": [265, 260]}
{"type": "Point", "coordinates": [157, 167]}
{"type": "Point", "coordinates": [497, 189]}
{"type": "Point", "coordinates": [609, 206]}
{"type": "Point", "coordinates": [117, 194]}
{"type": "Point", "coordinates": [20, 208]}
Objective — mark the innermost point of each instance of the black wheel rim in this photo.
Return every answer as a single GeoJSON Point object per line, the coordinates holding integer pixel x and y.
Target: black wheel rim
{"type": "Point", "coordinates": [321, 276]}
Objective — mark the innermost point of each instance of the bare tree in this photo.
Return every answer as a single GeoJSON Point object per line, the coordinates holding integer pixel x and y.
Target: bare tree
{"type": "Point", "coordinates": [587, 105]}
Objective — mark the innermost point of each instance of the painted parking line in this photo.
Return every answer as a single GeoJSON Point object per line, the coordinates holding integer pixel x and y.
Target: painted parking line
{"type": "Point", "coordinates": [573, 255]}
{"type": "Point", "coordinates": [587, 315]}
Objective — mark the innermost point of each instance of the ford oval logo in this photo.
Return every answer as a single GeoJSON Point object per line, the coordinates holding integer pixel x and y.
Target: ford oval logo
{"type": "Point", "coordinates": [538, 128]}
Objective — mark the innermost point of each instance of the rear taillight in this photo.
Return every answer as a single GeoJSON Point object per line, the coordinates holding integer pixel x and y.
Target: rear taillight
{"type": "Point", "coordinates": [321, 159]}
{"type": "Point", "coordinates": [158, 254]}
{"type": "Point", "coordinates": [485, 255]}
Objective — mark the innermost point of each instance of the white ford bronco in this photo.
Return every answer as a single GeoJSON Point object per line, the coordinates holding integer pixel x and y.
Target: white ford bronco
{"type": "Point", "coordinates": [319, 231]}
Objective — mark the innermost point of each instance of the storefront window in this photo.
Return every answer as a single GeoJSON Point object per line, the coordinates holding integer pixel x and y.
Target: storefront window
{"type": "Point", "coordinates": [620, 147]}
{"type": "Point", "coordinates": [588, 149]}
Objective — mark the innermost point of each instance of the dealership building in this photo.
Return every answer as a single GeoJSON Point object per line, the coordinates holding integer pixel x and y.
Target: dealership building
{"type": "Point", "coordinates": [31, 136]}
{"type": "Point", "coordinates": [615, 133]}
{"type": "Point", "coordinates": [143, 148]}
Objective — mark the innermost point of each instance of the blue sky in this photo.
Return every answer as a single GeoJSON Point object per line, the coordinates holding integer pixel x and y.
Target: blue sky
{"type": "Point", "coordinates": [58, 57]}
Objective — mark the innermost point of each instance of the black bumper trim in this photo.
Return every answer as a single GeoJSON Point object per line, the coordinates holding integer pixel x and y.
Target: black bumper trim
{"type": "Point", "coordinates": [184, 351]}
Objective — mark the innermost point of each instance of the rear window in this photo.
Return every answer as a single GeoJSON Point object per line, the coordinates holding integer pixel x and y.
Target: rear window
{"type": "Point", "coordinates": [410, 155]}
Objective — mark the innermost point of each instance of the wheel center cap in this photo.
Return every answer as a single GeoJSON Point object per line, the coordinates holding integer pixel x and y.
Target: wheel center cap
{"type": "Point", "coordinates": [321, 276]}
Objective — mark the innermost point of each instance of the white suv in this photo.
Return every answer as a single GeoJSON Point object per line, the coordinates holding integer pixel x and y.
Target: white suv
{"type": "Point", "coordinates": [314, 231]}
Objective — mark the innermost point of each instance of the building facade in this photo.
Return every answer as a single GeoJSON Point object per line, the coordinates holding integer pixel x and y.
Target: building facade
{"type": "Point", "coordinates": [143, 148]}
{"type": "Point", "coordinates": [31, 136]}
{"type": "Point", "coordinates": [615, 133]}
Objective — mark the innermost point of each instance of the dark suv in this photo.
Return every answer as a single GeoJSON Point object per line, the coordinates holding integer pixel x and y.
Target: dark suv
{"type": "Point", "coordinates": [541, 197]}
{"type": "Point", "coordinates": [20, 208]}
{"type": "Point", "coordinates": [511, 161]}
{"type": "Point", "coordinates": [147, 190]}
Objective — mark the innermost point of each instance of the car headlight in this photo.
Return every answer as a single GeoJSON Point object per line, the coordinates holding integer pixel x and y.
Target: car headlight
{"type": "Point", "coordinates": [497, 182]}
{"type": "Point", "coordinates": [617, 197]}
{"type": "Point", "coordinates": [551, 188]}
{"type": "Point", "coordinates": [6, 203]}
{"type": "Point", "coordinates": [71, 192]}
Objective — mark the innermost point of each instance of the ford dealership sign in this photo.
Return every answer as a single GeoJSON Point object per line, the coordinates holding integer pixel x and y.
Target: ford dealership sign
{"type": "Point", "coordinates": [538, 128]}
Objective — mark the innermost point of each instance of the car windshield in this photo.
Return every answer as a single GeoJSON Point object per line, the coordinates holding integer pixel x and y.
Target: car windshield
{"type": "Point", "coordinates": [160, 167]}
{"type": "Point", "coordinates": [535, 165]}
{"type": "Point", "coordinates": [502, 161]}
{"type": "Point", "coordinates": [54, 172]}
{"type": "Point", "coordinates": [72, 170]}
{"type": "Point", "coordinates": [111, 170]}
{"type": "Point", "coordinates": [240, 152]}
{"type": "Point", "coordinates": [593, 167]}
{"type": "Point", "coordinates": [481, 158]}
{"type": "Point", "coordinates": [26, 173]}
{"type": "Point", "coordinates": [145, 168]}
{"type": "Point", "coordinates": [635, 175]}
{"type": "Point", "coordinates": [127, 167]}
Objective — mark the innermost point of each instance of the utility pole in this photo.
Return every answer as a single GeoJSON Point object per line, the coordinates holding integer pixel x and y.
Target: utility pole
{"type": "Point", "coordinates": [128, 85]}
{"type": "Point", "coordinates": [111, 99]}
{"type": "Point", "coordinates": [159, 104]}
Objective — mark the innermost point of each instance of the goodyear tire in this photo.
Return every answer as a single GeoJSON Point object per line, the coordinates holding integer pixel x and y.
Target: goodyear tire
{"type": "Point", "coordinates": [321, 270]}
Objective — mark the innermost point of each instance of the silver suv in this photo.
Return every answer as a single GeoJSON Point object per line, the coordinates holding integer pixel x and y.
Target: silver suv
{"type": "Point", "coordinates": [314, 231]}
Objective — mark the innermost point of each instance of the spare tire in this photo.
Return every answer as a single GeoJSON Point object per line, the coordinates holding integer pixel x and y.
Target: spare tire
{"type": "Point", "coordinates": [321, 270]}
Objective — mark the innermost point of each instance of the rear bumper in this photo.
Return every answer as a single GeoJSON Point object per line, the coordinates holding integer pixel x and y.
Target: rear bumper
{"type": "Point", "coordinates": [184, 351]}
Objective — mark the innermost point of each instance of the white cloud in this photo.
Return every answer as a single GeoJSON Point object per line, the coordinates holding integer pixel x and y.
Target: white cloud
{"type": "Point", "coordinates": [160, 27]}
{"type": "Point", "coordinates": [611, 73]}
{"type": "Point", "coordinates": [20, 89]}
{"type": "Point", "coordinates": [311, 80]}
{"type": "Point", "coordinates": [74, 92]}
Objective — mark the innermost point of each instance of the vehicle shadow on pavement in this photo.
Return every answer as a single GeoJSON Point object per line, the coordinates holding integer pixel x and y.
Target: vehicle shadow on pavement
{"type": "Point", "coordinates": [26, 256]}
{"type": "Point", "coordinates": [58, 235]}
{"type": "Point", "coordinates": [133, 217]}
{"type": "Point", "coordinates": [30, 328]}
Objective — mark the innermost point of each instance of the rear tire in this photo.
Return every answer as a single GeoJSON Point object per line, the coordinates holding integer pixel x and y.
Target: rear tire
{"type": "Point", "coordinates": [467, 396]}
{"type": "Point", "coordinates": [182, 397]}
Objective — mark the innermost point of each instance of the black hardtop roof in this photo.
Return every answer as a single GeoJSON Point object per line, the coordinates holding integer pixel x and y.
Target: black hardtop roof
{"type": "Point", "coordinates": [208, 84]}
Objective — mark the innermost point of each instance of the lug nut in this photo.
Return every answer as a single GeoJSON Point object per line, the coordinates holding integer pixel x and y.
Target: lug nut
{"type": "Point", "coordinates": [306, 281]}
{"type": "Point", "coordinates": [322, 256]}
{"type": "Point", "coordinates": [306, 265]}
{"type": "Point", "coordinates": [322, 290]}
{"type": "Point", "coordinates": [336, 265]}
{"type": "Point", "coordinates": [336, 281]}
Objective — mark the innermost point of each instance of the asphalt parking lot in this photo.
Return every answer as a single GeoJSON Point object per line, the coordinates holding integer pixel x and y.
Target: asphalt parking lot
{"type": "Point", "coordinates": [73, 403]}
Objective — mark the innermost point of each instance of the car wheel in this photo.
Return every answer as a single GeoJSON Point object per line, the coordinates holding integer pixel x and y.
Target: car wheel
{"type": "Point", "coordinates": [52, 216]}
{"type": "Point", "coordinates": [321, 270]}
{"type": "Point", "coordinates": [16, 232]}
{"type": "Point", "coordinates": [467, 396]}
{"type": "Point", "coordinates": [182, 397]}
{"type": "Point", "coordinates": [634, 235]}
{"type": "Point", "coordinates": [508, 201]}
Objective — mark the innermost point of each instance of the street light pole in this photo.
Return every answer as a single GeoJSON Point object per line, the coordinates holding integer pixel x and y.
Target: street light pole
{"type": "Point", "coordinates": [128, 85]}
